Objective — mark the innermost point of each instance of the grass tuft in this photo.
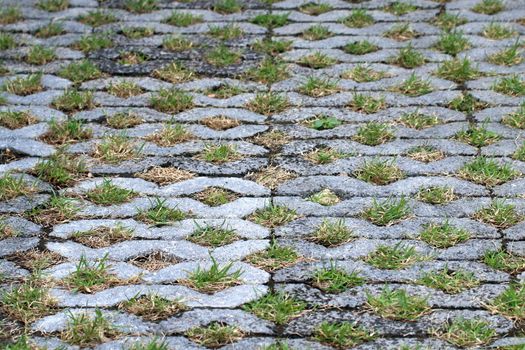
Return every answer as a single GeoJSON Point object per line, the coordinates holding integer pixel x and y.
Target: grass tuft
{"type": "Point", "coordinates": [273, 215]}
{"type": "Point", "coordinates": [69, 131]}
{"type": "Point", "coordinates": [317, 32]}
{"type": "Point", "coordinates": [515, 119]}
{"type": "Point", "coordinates": [477, 135]}
{"type": "Point", "coordinates": [79, 72]}
{"type": "Point", "coordinates": [214, 335]}
{"type": "Point", "coordinates": [183, 19]}
{"type": "Point", "coordinates": [177, 43]}
{"type": "Point", "coordinates": [211, 236]}
{"type": "Point", "coordinates": [467, 332]}
{"type": "Point", "coordinates": [373, 134]}
{"type": "Point", "coordinates": [274, 258]}
{"type": "Point", "coordinates": [269, 71]}
{"type": "Point", "coordinates": [103, 237]}
{"type": "Point", "coordinates": [487, 171]}
{"type": "Point", "coordinates": [86, 331]}
{"type": "Point", "coordinates": [379, 172]}
{"type": "Point", "coordinates": [140, 6]}
{"type": "Point", "coordinates": [510, 303]}
{"type": "Point", "coordinates": [90, 277]}
{"type": "Point", "coordinates": [419, 121]}
{"type": "Point", "coordinates": [16, 119]}
{"type": "Point", "coordinates": [170, 135]}
{"type": "Point", "coordinates": [226, 32]}
{"type": "Point", "coordinates": [367, 104]}
{"type": "Point", "coordinates": [496, 31]}
{"type": "Point", "coordinates": [276, 307]}
{"type": "Point", "coordinates": [226, 7]}
{"type": "Point", "coordinates": [467, 103]}
{"type": "Point", "coordinates": [152, 307]}
{"type": "Point", "coordinates": [318, 87]}
{"type": "Point", "coordinates": [171, 101]}
{"type": "Point", "coordinates": [397, 305]}
{"type": "Point", "coordinates": [116, 148]}
{"type": "Point", "coordinates": [214, 279]}
{"type": "Point", "coordinates": [488, 7]}
{"type": "Point", "coordinates": [222, 56]}
{"type": "Point", "coordinates": [395, 257]}
{"type": "Point", "coordinates": [24, 86]}
{"type": "Point", "coordinates": [27, 302]}
{"type": "Point", "coordinates": [10, 14]}
{"type": "Point", "coordinates": [342, 335]}
{"type": "Point", "coordinates": [443, 235]}
{"type": "Point", "coordinates": [93, 42]}
{"type": "Point", "coordinates": [360, 47]}
{"type": "Point", "coordinates": [14, 186]}
{"type": "Point", "coordinates": [40, 55]}
{"type": "Point", "coordinates": [387, 212]}
{"type": "Point", "coordinates": [268, 103]}
{"type": "Point", "coordinates": [509, 56]}
{"type": "Point", "coordinates": [512, 85]}
{"type": "Point", "coordinates": [124, 89]}
{"type": "Point", "coordinates": [364, 74]}
{"type": "Point", "coordinates": [408, 57]}
{"type": "Point", "coordinates": [271, 20]}
{"type": "Point", "coordinates": [160, 215]}
{"type": "Point", "coordinates": [401, 32]}
{"type": "Point", "coordinates": [504, 261]}
{"type": "Point", "coordinates": [449, 281]}
{"type": "Point", "coordinates": [359, 18]}
{"type": "Point", "coordinates": [335, 280]}
{"type": "Point", "coordinates": [53, 5]}
{"type": "Point", "coordinates": [97, 18]}
{"type": "Point", "coordinates": [499, 214]}
{"type": "Point", "coordinates": [413, 86]}
{"type": "Point", "coordinates": [272, 47]}
{"type": "Point", "coordinates": [174, 72]}
{"type": "Point", "coordinates": [72, 101]}
{"type": "Point", "coordinates": [436, 195]}
{"type": "Point", "coordinates": [317, 60]}
{"type": "Point", "coordinates": [452, 43]}
{"type": "Point", "coordinates": [315, 8]}
{"type": "Point", "coordinates": [61, 169]}
{"type": "Point", "coordinates": [222, 153]}
{"type": "Point", "coordinates": [448, 21]}
{"type": "Point", "coordinates": [331, 233]}
{"type": "Point", "coordinates": [109, 194]}
{"type": "Point", "coordinates": [458, 70]}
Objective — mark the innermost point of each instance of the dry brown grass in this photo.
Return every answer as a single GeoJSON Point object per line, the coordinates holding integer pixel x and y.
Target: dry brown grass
{"type": "Point", "coordinates": [170, 136]}
{"type": "Point", "coordinates": [271, 176]}
{"type": "Point", "coordinates": [271, 139]}
{"type": "Point", "coordinates": [104, 236]}
{"type": "Point", "coordinates": [212, 287]}
{"type": "Point", "coordinates": [152, 307]}
{"type": "Point", "coordinates": [153, 261]}
{"type": "Point", "coordinates": [215, 196]}
{"type": "Point", "coordinates": [35, 259]}
{"type": "Point", "coordinates": [7, 156]}
{"type": "Point", "coordinates": [165, 176]}
{"type": "Point", "coordinates": [220, 122]}
{"type": "Point", "coordinates": [426, 155]}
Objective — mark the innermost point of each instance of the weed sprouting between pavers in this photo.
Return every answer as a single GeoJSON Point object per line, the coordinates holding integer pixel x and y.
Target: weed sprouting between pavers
{"type": "Point", "coordinates": [159, 214]}
{"type": "Point", "coordinates": [213, 279]}
{"type": "Point", "coordinates": [275, 257]}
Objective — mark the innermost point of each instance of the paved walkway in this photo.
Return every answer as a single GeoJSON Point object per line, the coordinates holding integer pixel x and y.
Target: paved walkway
{"type": "Point", "coordinates": [262, 174]}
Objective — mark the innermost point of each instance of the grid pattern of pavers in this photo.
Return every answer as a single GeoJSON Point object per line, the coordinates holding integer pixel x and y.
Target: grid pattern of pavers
{"type": "Point", "coordinates": [354, 167]}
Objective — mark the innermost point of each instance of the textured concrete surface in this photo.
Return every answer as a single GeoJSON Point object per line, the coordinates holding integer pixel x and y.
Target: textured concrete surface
{"type": "Point", "coordinates": [28, 226]}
